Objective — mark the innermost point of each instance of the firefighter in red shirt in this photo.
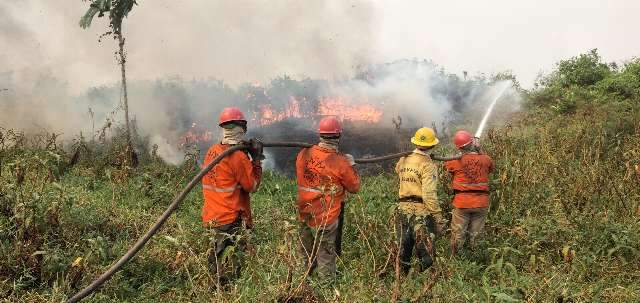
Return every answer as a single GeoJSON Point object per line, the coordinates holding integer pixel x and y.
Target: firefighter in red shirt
{"type": "Point", "coordinates": [470, 183]}
{"type": "Point", "coordinates": [324, 175]}
{"type": "Point", "coordinates": [226, 188]}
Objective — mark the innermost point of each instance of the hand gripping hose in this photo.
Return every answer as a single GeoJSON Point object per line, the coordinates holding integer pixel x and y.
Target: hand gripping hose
{"type": "Point", "coordinates": [142, 241]}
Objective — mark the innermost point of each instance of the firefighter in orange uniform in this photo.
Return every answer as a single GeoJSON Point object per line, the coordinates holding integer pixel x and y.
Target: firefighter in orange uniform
{"type": "Point", "coordinates": [324, 175]}
{"type": "Point", "coordinates": [470, 182]}
{"type": "Point", "coordinates": [226, 188]}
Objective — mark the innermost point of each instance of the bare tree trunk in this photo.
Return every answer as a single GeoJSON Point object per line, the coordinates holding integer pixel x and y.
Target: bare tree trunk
{"type": "Point", "coordinates": [131, 156]}
{"type": "Point", "coordinates": [123, 61]}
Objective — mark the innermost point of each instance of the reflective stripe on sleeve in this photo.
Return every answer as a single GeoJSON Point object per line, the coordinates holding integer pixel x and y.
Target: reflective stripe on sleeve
{"type": "Point", "coordinates": [473, 184]}
{"type": "Point", "coordinates": [311, 190]}
{"type": "Point", "coordinates": [332, 190]}
{"type": "Point", "coordinates": [220, 189]}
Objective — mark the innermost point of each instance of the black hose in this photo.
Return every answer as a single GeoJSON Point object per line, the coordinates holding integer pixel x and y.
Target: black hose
{"type": "Point", "coordinates": [145, 238]}
{"type": "Point", "coordinates": [287, 144]}
{"type": "Point", "coordinates": [361, 160]}
{"type": "Point", "coordinates": [142, 241]}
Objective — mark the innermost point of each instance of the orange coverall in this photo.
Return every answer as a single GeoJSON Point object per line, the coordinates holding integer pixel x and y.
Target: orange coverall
{"type": "Point", "coordinates": [227, 186]}
{"type": "Point", "coordinates": [323, 177]}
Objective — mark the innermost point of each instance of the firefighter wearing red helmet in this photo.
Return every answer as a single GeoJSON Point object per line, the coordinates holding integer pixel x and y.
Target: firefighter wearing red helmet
{"type": "Point", "coordinates": [226, 188]}
{"type": "Point", "coordinates": [324, 176]}
{"type": "Point", "coordinates": [470, 182]}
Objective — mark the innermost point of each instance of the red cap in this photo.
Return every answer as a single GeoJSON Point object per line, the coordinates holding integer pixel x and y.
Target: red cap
{"type": "Point", "coordinates": [462, 138]}
{"type": "Point", "coordinates": [231, 114]}
{"type": "Point", "coordinates": [329, 125]}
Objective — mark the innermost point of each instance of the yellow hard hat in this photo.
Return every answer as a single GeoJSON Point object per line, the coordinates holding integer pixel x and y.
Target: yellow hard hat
{"type": "Point", "coordinates": [425, 137]}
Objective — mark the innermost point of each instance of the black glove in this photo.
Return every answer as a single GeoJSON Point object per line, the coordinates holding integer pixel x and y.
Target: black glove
{"type": "Point", "coordinates": [255, 149]}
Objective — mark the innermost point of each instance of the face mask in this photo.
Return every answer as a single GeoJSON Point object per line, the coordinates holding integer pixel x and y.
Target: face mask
{"type": "Point", "coordinates": [232, 135]}
{"type": "Point", "coordinates": [331, 143]}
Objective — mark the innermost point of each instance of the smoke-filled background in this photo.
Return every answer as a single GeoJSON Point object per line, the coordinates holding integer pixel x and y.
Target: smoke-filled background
{"type": "Point", "coordinates": [286, 63]}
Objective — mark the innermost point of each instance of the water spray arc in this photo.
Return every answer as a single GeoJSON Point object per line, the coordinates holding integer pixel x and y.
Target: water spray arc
{"type": "Point", "coordinates": [487, 114]}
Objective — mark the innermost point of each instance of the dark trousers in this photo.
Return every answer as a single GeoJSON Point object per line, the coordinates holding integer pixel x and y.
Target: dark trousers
{"type": "Point", "coordinates": [467, 223]}
{"type": "Point", "coordinates": [226, 256]}
{"type": "Point", "coordinates": [419, 233]}
{"type": "Point", "coordinates": [319, 249]}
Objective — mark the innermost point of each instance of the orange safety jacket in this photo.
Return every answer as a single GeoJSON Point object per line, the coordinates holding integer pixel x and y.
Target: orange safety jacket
{"type": "Point", "coordinates": [226, 187]}
{"type": "Point", "coordinates": [470, 180]}
{"type": "Point", "coordinates": [323, 176]}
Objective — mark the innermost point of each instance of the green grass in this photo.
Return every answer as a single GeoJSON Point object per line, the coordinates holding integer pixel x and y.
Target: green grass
{"type": "Point", "coordinates": [521, 258]}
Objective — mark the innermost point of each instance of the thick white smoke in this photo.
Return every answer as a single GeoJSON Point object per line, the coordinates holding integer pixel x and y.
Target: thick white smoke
{"type": "Point", "coordinates": [72, 86]}
{"type": "Point", "coordinates": [238, 41]}
{"type": "Point", "coordinates": [54, 75]}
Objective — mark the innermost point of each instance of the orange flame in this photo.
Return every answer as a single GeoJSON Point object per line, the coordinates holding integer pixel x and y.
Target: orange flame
{"type": "Point", "coordinates": [339, 107]}
{"type": "Point", "coordinates": [194, 135]}
{"type": "Point", "coordinates": [268, 115]}
{"type": "Point", "coordinates": [328, 106]}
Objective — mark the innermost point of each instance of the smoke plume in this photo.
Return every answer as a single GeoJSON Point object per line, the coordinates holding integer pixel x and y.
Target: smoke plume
{"type": "Point", "coordinates": [247, 49]}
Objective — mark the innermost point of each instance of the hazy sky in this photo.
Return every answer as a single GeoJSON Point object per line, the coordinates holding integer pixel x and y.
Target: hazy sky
{"type": "Point", "coordinates": [524, 36]}
{"type": "Point", "coordinates": [255, 40]}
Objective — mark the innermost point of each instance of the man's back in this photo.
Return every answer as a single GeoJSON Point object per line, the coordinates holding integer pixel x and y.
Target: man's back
{"type": "Point", "coordinates": [471, 180]}
{"type": "Point", "coordinates": [227, 186]}
{"type": "Point", "coordinates": [323, 176]}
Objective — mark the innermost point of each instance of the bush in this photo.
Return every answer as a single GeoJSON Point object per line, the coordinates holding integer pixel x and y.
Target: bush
{"type": "Point", "coordinates": [584, 80]}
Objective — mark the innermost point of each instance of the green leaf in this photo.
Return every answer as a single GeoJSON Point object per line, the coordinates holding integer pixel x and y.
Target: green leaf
{"type": "Point", "coordinates": [85, 21]}
{"type": "Point", "coordinates": [502, 297]}
{"type": "Point", "coordinates": [96, 6]}
{"type": "Point", "coordinates": [172, 240]}
{"type": "Point", "coordinates": [39, 252]}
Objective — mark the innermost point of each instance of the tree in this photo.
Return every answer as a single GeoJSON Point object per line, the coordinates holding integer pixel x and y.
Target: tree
{"type": "Point", "coordinates": [117, 11]}
{"type": "Point", "coordinates": [583, 71]}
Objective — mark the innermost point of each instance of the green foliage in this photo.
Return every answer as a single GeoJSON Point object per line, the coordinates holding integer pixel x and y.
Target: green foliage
{"type": "Point", "coordinates": [584, 70]}
{"type": "Point", "coordinates": [586, 80]}
{"type": "Point", "coordinates": [623, 85]}
{"type": "Point", "coordinates": [116, 9]}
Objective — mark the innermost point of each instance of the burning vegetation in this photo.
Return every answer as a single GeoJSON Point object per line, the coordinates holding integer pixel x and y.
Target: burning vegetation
{"type": "Point", "coordinates": [341, 107]}
{"type": "Point", "coordinates": [415, 92]}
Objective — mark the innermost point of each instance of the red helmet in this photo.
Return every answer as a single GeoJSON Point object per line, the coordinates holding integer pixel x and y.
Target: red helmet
{"type": "Point", "coordinates": [231, 114]}
{"type": "Point", "coordinates": [462, 138]}
{"type": "Point", "coordinates": [329, 125]}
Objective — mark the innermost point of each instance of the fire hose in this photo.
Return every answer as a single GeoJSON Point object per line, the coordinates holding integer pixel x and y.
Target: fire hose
{"type": "Point", "coordinates": [142, 241]}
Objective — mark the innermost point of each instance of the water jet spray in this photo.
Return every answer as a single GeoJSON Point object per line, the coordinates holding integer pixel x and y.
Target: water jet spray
{"type": "Point", "coordinates": [483, 123]}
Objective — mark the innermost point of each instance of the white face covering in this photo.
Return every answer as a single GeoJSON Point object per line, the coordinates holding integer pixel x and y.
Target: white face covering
{"type": "Point", "coordinates": [330, 143]}
{"type": "Point", "coordinates": [233, 135]}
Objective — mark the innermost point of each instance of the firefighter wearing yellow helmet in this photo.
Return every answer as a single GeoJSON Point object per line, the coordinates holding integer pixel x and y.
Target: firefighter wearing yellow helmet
{"type": "Point", "coordinates": [425, 138]}
{"type": "Point", "coordinates": [418, 210]}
